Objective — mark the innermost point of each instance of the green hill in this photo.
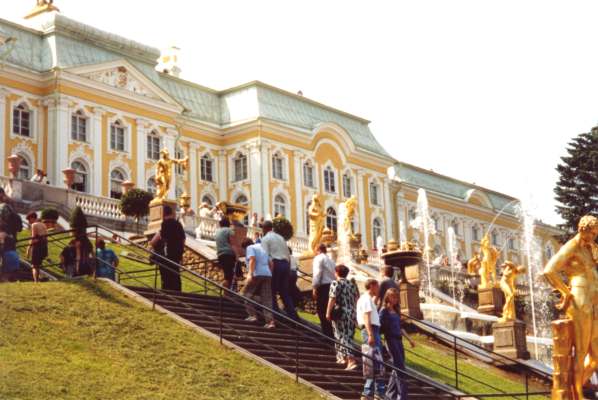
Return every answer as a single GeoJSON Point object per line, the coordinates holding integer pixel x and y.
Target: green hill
{"type": "Point", "coordinates": [79, 340]}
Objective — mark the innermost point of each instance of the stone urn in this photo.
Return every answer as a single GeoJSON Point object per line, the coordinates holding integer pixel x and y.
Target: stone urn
{"type": "Point", "coordinates": [69, 177]}
{"type": "Point", "coordinates": [185, 201]}
{"type": "Point", "coordinates": [127, 186]}
{"type": "Point", "coordinates": [327, 236]}
{"type": "Point", "coordinates": [14, 163]}
{"type": "Point", "coordinates": [409, 293]}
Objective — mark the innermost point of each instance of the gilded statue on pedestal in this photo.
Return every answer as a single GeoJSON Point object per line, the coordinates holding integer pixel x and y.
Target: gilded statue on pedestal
{"type": "Point", "coordinates": [473, 265]}
{"type": "Point", "coordinates": [577, 260]}
{"type": "Point", "coordinates": [350, 207]}
{"type": "Point", "coordinates": [164, 173]}
{"type": "Point", "coordinates": [316, 224]}
{"type": "Point", "coordinates": [488, 264]}
{"type": "Point", "coordinates": [507, 285]}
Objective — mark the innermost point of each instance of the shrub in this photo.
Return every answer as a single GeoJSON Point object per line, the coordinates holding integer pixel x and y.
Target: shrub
{"type": "Point", "coordinates": [135, 203]}
{"type": "Point", "coordinates": [283, 227]}
{"type": "Point", "coordinates": [49, 214]}
{"type": "Point", "coordinates": [78, 221]}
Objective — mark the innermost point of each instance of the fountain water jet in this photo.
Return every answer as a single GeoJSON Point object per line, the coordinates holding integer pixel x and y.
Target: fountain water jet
{"type": "Point", "coordinates": [425, 225]}
{"type": "Point", "coordinates": [452, 246]}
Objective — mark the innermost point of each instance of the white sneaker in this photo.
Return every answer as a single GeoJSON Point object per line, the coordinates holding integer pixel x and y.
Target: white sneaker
{"type": "Point", "coordinates": [251, 319]}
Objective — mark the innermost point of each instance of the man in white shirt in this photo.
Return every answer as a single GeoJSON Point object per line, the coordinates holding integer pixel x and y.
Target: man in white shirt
{"type": "Point", "coordinates": [368, 321]}
{"type": "Point", "coordinates": [276, 247]}
{"type": "Point", "coordinates": [323, 276]}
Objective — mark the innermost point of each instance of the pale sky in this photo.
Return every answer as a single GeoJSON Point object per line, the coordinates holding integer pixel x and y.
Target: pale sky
{"type": "Point", "coordinates": [484, 91]}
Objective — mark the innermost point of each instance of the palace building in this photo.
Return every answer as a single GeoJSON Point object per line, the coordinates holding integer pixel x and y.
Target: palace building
{"type": "Point", "coordinates": [72, 96]}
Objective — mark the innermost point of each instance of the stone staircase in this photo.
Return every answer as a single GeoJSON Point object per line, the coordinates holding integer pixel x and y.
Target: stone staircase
{"type": "Point", "coordinates": [281, 347]}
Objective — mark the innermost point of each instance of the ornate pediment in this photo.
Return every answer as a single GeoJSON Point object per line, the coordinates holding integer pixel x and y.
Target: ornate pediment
{"type": "Point", "coordinates": [121, 78]}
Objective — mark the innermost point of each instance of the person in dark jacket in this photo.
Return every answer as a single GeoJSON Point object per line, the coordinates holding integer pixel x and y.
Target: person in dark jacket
{"type": "Point", "coordinates": [173, 235]}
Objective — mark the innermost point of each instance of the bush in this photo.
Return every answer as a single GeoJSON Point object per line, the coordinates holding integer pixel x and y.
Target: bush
{"type": "Point", "coordinates": [283, 227]}
{"type": "Point", "coordinates": [135, 203]}
{"type": "Point", "coordinates": [49, 214]}
{"type": "Point", "coordinates": [78, 221]}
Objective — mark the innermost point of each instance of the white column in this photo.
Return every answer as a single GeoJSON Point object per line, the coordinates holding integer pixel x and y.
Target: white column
{"type": "Point", "coordinates": [388, 207]}
{"type": "Point", "coordinates": [3, 134]}
{"type": "Point", "coordinates": [223, 176]}
{"type": "Point", "coordinates": [362, 200]}
{"type": "Point", "coordinates": [96, 138]}
{"type": "Point", "coordinates": [141, 151]}
{"type": "Point", "coordinates": [297, 165]}
{"type": "Point", "coordinates": [467, 238]}
{"type": "Point", "coordinates": [265, 175]}
{"type": "Point", "coordinates": [58, 135]}
{"type": "Point", "coordinates": [169, 138]}
{"type": "Point", "coordinates": [255, 169]}
{"type": "Point", "coordinates": [39, 134]}
{"type": "Point", "coordinates": [193, 174]}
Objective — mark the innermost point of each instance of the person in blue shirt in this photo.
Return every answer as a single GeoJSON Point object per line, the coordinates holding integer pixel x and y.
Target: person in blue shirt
{"type": "Point", "coordinates": [259, 281]}
{"type": "Point", "coordinates": [390, 326]}
{"type": "Point", "coordinates": [107, 261]}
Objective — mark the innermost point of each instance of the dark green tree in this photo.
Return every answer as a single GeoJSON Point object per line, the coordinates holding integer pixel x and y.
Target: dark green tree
{"type": "Point", "coordinates": [135, 203]}
{"type": "Point", "coordinates": [78, 221]}
{"type": "Point", "coordinates": [283, 227]}
{"type": "Point", "coordinates": [577, 187]}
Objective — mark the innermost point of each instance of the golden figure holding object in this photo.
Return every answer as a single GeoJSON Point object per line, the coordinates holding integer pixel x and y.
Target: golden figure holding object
{"type": "Point", "coordinates": [507, 284]}
{"type": "Point", "coordinates": [488, 264]}
{"type": "Point", "coordinates": [576, 260]}
{"type": "Point", "coordinates": [164, 174]}
{"type": "Point", "coordinates": [473, 265]}
{"type": "Point", "coordinates": [316, 224]}
{"type": "Point", "coordinates": [350, 207]}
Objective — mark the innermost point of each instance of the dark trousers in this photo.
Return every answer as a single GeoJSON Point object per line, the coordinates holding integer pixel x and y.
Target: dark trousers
{"type": "Point", "coordinates": [396, 350]}
{"type": "Point", "coordinates": [280, 286]}
{"type": "Point", "coordinates": [170, 274]}
{"type": "Point", "coordinates": [295, 292]}
{"type": "Point", "coordinates": [322, 294]}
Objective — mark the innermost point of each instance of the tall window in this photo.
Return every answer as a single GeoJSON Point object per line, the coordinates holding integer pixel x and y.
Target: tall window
{"type": "Point", "coordinates": [494, 238]}
{"type": "Point", "coordinates": [151, 185]}
{"type": "Point", "coordinates": [376, 230]}
{"type": "Point", "coordinates": [277, 167]}
{"type": "Point", "coordinates": [548, 252]}
{"type": "Point", "coordinates": [242, 200]}
{"type": "Point", "coordinates": [329, 180]}
{"type": "Point", "coordinates": [455, 226]}
{"type": "Point", "coordinates": [331, 220]}
{"type": "Point", "coordinates": [153, 146]}
{"type": "Point", "coordinates": [79, 126]}
{"type": "Point", "coordinates": [21, 120]}
{"type": "Point", "coordinates": [511, 244]}
{"type": "Point", "coordinates": [308, 175]}
{"type": "Point", "coordinates": [117, 136]}
{"type": "Point", "coordinates": [412, 214]}
{"type": "Point", "coordinates": [207, 168]}
{"type": "Point", "coordinates": [374, 193]}
{"type": "Point", "coordinates": [179, 155]}
{"type": "Point", "coordinates": [240, 165]}
{"type": "Point", "coordinates": [81, 179]}
{"type": "Point", "coordinates": [24, 172]}
{"type": "Point", "coordinates": [437, 225]}
{"type": "Point", "coordinates": [347, 190]}
{"type": "Point", "coordinates": [117, 177]}
{"type": "Point", "coordinates": [280, 206]}
{"type": "Point", "coordinates": [475, 233]}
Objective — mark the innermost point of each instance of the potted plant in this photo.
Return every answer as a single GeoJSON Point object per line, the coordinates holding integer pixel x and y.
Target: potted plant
{"type": "Point", "coordinates": [49, 217]}
{"type": "Point", "coordinates": [135, 203]}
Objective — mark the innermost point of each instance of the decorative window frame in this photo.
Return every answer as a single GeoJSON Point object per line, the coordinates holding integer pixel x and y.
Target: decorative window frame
{"type": "Point", "coordinates": [33, 120]}
{"type": "Point", "coordinates": [315, 175]}
{"type": "Point", "coordinates": [353, 182]}
{"type": "Point", "coordinates": [128, 135]}
{"type": "Point", "coordinates": [120, 164]}
{"type": "Point", "coordinates": [86, 165]}
{"type": "Point", "coordinates": [152, 132]}
{"type": "Point", "coordinates": [30, 162]}
{"type": "Point", "coordinates": [376, 216]}
{"type": "Point", "coordinates": [209, 155]}
{"type": "Point", "coordinates": [279, 152]}
{"type": "Point", "coordinates": [83, 112]}
{"type": "Point", "coordinates": [375, 181]}
{"type": "Point", "coordinates": [232, 176]}
{"type": "Point", "coordinates": [80, 155]}
{"type": "Point", "coordinates": [328, 164]}
{"type": "Point", "coordinates": [210, 193]}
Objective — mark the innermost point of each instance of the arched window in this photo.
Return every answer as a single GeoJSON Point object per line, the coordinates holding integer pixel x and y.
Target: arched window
{"type": "Point", "coordinates": [329, 180]}
{"type": "Point", "coordinates": [79, 126]}
{"type": "Point", "coordinates": [242, 200]}
{"type": "Point", "coordinates": [24, 172]}
{"type": "Point", "coordinates": [153, 146]}
{"type": "Point", "coordinates": [21, 120]}
{"type": "Point", "coordinates": [375, 193]}
{"type": "Point", "coordinates": [179, 155]}
{"type": "Point", "coordinates": [208, 200]}
{"type": "Point", "coordinates": [240, 167]}
{"type": "Point", "coordinates": [207, 168]}
{"type": "Point", "coordinates": [117, 177]}
{"type": "Point", "coordinates": [151, 185]}
{"type": "Point", "coordinates": [308, 175]}
{"type": "Point", "coordinates": [280, 206]}
{"type": "Point", "coordinates": [117, 136]}
{"type": "Point", "coordinates": [81, 177]}
{"type": "Point", "coordinates": [331, 220]}
{"type": "Point", "coordinates": [376, 230]}
{"type": "Point", "coordinates": [347, 189]}
{"type": "Point", "coordinates": [277, 166]}
{"type": "Point", "coordinates": [475, 233]}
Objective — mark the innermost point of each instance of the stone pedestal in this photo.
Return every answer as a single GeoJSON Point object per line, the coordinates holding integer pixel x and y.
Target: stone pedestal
{"type": "Point", "coordinates": [409, 295]}
{"type": "Point", "coordinates": [491, 301]}
{"type": "Point", "coordinates": [509, 339]}
{"type": "Point", "coordinates": [412, 274]}
{"type": "Point", "coordinates": [562, 360]}
{"type": "Point", "coordinates": [156, 215]}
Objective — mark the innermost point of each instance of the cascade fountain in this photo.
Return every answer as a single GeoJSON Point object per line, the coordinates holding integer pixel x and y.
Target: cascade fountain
{"type": "Point", "coordinates": [452, 256]}
{"type": "Point", "coordinates": [343, 255]}
{"type": "Point", "coordinates": [425, 225]}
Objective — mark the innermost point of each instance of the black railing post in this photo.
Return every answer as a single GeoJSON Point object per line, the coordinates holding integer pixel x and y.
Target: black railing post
{"type": "Point", "coordinates": [155, 285]}
{"type": "Point", "coordinates": [220, 313]}
{"type": "Point", "coordinates": [296, 355]}
{"type": "Point", "coordinates": [456, 362]}
{"type": "Point", "coordinates": [526, 385]}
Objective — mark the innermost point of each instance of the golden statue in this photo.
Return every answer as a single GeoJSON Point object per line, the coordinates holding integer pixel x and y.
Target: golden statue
{"type": "Point", "coordinates": [507, 284]}
{"type": "Point", "coordinates": [164, 173]}
{"type": "Point", "coordinates": [488, 264]}
{"type": "Point", "coordinates": [577, 262]}
{"type": "Point", "coordinates": [350, 207]}
{"type": "Point", "coordinates": [473, 265]}
{"type": "Point", "coordinates": [316, 224]}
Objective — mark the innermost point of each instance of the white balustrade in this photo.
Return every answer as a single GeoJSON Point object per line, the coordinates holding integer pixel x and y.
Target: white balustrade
{"type": "Point", "coordinates": [102, 207]}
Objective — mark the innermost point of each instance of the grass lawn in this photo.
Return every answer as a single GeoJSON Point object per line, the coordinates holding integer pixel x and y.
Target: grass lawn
{"type": "Point", "coordinates": [81, 340]}
{"type": "Point", "coordinates": [429, 357]}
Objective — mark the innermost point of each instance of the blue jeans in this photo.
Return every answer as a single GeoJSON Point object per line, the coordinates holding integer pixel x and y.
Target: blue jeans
{"type": "Point", "coordinates": [280, 286]}
{"type": "Point", "coordinates": [368, 388]}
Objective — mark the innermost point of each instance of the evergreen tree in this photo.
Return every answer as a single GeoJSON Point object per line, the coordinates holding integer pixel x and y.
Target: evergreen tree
{"type": "Point", "coordinates": [577, 187]}
{"type": "Point", "coordinates": [78, 221]}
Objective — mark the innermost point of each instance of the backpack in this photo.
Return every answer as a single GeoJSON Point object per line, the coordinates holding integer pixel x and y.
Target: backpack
{"type": "Point", "coordinates": [13, 221]}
